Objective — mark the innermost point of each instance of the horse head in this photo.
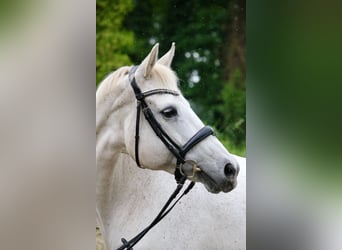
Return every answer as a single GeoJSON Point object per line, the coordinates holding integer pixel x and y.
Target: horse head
{"type": "Point", "coordinates": [154, 89]}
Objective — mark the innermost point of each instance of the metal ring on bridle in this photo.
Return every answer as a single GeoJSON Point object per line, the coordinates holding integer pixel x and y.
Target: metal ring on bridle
{"type": "Point", "coordinates": [195, 168]}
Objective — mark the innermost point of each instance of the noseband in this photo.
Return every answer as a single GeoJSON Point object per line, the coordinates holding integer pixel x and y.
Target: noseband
{"type": "Point", "coordinates": [178, 151]}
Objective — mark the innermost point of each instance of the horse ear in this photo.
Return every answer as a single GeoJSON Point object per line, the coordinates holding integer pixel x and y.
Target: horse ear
{"type": "Point", "coordinates": [149, 61]}
{"type": "Point", "coordinates": [167, 58]}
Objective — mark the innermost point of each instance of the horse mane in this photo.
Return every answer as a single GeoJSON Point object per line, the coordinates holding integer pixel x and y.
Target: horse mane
{"type": "Point", "coordinates": [109, 84]}
{"type": "Point", "coordinates": [164, 76]}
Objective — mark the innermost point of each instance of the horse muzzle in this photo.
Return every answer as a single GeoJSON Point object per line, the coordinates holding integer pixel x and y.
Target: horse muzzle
{"type": "Point", "coordinates": [215, 181]}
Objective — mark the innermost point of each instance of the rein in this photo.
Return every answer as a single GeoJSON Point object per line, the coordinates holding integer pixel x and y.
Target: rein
{"type": "Point", "coordinates": [178, 151]}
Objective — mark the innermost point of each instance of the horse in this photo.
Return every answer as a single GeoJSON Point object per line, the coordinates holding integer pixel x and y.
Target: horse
{"type": "Point", "coordinates": [146, 132]}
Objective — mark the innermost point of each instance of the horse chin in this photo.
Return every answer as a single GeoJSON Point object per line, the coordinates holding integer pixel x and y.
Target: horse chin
{"type": "Point", "coordinates": [213, 190]}
{"type": "Point", "coordinates": [212, 186]}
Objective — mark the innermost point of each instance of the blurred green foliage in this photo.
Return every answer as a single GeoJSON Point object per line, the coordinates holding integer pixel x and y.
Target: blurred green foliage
{"type": "Point", "coordinates": [209, 58]}
{"type": "Point", "coordinates": [112, 40]}
{"type": "Point", "coordinates": [233, 123]}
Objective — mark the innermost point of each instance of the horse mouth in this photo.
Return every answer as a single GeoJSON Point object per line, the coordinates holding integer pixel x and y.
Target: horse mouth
{"type": "Point", "coordinates": [213, 186]}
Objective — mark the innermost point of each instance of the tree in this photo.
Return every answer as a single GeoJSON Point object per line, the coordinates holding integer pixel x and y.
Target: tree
{"type": "Point", "coordinates": [112, 41]}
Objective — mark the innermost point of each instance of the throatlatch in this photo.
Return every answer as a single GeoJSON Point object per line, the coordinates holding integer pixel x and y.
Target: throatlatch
{"type": "Point", "coordinates": [178, 151]}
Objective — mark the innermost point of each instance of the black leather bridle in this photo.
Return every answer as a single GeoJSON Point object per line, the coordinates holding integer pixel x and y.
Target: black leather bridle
{"type": "Point", "coordinates": [178, 151]}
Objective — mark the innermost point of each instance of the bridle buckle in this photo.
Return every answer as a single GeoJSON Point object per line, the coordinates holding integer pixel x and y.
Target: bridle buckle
{"type": "Point", "coordinates": [195, 168]}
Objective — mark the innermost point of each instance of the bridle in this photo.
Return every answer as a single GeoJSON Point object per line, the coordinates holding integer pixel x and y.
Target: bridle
{"type": "Point", "coordinates": [178, 151]}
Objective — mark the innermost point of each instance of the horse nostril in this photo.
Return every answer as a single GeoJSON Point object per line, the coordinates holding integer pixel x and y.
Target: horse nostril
{"type": "Point", "coordinates": [229, 170]}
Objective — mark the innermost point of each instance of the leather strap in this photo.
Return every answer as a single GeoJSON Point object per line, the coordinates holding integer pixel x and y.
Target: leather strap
{"type": "Point", "coordinates": [197, 138]}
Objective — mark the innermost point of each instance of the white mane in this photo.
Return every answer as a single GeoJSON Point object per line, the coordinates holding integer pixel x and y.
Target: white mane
{"type": "Point", "coordinates": [110, 83]}
{"type": "Point", "coordinates": [163, 77]}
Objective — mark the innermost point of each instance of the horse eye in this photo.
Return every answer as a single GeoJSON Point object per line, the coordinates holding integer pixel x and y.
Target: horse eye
{"type": "Point", "coordinates": [169, 112]}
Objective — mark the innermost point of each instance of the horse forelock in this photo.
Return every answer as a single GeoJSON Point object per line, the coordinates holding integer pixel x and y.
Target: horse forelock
{"type": "Point", "coordinates": [165, 76]}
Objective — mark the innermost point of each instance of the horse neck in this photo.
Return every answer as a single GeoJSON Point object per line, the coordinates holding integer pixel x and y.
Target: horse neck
{"type": "Point", "coordinates": [125, 189]}
{"type": "Point", "coordinates": [112, 109]}
{"type": "Point", "coordinates": [111, 112]}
